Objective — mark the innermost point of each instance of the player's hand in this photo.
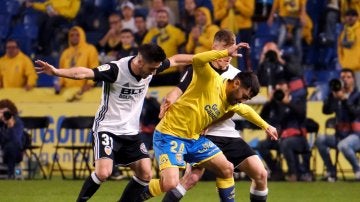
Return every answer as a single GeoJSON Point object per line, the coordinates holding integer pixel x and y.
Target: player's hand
{"type": "Point", "coordinates": [272, 132]}
{"type": "Point", "coordinates": [233, 50]}
{"type": "Point", "coordinates": [44, 67]}
{"type": "Point", "coordinates": [165, 104]}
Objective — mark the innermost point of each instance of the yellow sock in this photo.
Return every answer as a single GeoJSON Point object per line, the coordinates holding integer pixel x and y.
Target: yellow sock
{"type": "Point", "coordinates": [154, 187]}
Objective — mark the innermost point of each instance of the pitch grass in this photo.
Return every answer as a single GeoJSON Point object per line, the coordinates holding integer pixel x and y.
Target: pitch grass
{"type": "Point", "coordinates": [66, 190]}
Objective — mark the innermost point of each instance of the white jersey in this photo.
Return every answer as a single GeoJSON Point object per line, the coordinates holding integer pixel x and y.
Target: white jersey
{"type": "Point", "coordinates": [225, 128]}
{"type": "Point", "coordinates": [122, 98]}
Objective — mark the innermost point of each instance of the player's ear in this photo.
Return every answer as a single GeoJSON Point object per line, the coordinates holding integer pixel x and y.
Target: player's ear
{"type": "Point", "coordinates": [237, 83]}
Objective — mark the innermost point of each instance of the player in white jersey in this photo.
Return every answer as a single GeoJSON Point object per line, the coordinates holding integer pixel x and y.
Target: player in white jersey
{"type": "Point", "coordinates": [116, 124]}
{"type": "Point", "coordinates": [223, 133]}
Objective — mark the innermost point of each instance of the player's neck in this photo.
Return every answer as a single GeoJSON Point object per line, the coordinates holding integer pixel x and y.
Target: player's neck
{"type": "Point", "coordinates": [135, 66]}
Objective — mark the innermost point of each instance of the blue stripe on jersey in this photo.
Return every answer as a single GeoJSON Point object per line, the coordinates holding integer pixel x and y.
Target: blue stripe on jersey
{"type": "Point", "coordinates": [105, 106]}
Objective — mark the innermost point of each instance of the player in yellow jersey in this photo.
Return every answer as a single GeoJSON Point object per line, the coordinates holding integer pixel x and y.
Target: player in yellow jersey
{"type": "Point", "coordinates": [177, 137]}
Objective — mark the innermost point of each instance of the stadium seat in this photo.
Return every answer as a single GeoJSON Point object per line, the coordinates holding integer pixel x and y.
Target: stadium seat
{"type": "Point", "coordinates": [94, 37]}
{"type": "Point", "coordinates": [36, 127]}
{"type": "Point", "coordinates": [12, 7]}
{"type": "Point", "coordinates": [78, 129]}
{"type": "Point", "coordinates": [4, 25]}
{"type": "Point", "coordinates": [45, 80]}
{"type": "Point", "coordinates": [19, 34]}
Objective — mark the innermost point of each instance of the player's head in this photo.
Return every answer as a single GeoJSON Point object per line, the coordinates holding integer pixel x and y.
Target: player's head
{"type": "Point", "coordinates": [223, 39]}
{"type": "Point", "coordinates": [243, 87]}
{"type": "Point", "coordinates": [149, 58]}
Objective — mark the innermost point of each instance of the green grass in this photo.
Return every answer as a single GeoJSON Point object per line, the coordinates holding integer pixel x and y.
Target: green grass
{"type": "Point", "coordinates": [66, 190]}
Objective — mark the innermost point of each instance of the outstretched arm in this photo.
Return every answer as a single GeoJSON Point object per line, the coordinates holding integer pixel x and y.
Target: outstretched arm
{"type": "Point", "coordinates": [249, 114]}
{"type": "Point", "coordinates": [180, 60]}
{"type": "Point", "coordinates": [72, 73]}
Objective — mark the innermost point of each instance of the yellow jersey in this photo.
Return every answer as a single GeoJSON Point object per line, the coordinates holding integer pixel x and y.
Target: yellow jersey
{"type": "Point", "coordinates": [203, 102]}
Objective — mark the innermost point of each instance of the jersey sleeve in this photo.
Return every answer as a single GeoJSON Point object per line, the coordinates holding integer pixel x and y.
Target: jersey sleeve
{"type": "Point", "coordinates": [164, 65]}
{"type": "Point", "coordinates": [185, 79]}
{"type": "Point", "coordinates": [106, 72]}
{"type": "Point", "coordinates": [249, 114]}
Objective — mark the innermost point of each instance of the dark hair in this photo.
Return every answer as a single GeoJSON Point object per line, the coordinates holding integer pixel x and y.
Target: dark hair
{"type": "Point", "coordinates": [6, 103]}
{"type": "Point", "coordinates": [13, 40]}
{"type": "Point", "coordinates": [152, 52]}
{"type": "Point", "coordinates": [162, 11]}
{"type": "Point", "coordinates": [127, 31]}
{"type": "Point", "coordinates": [249, 80]}
{"type": "Point", "coordinates": [348, 70]}
{"type": "Point", "coordinates": [140, 16]}
{"type": "Point", "coordinates": [226, 36]}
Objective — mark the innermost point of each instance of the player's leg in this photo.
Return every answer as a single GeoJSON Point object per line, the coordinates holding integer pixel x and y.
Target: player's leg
{"type": "Point", "coordinates": [210, 157]}
{"type": "Point", "coordinates": [139, 181]}
{"type": "Point", "coordinates": [103, 166]}
{"type": "Point", "coordinates": [103, 169]}
{"type": "Point", "coordinates": [189, 180]}
{"type": "Point", "coordinates": [133, 152]}
{"type": "Point", "coordinates": [254, 168]}
{"type": "Point", "coordinates": [223, 170]}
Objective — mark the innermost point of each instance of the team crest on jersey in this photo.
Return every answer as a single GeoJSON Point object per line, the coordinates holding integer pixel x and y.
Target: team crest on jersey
{"type": "Point", "coordinates": [107, 150]}
{"type": "Point", "coordinates": [104, 67]}
{"type": "Point", "coordinates": [179, 158]}
{"type": "Point", "coordinates": [164, 161]}
{"type": "Point", "coordinates": [143, 148]}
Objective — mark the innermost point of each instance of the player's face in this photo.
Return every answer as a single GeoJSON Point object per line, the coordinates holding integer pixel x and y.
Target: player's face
{"type": "Point", "coordinates": [239, 94]}
{"type": "Point", "coordinates": [148, 68]}
{"type": "Point", "coordinates": [222, 62]}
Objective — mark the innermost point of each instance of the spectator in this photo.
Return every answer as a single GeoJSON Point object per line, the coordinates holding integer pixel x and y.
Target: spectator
{"type": "Point", "coordinates": [187, 12]}
{"type": "Point", "coordinates": [169, 38]}
{"type": "Point", "coordinates": [288, 113]}
{"type": "Point", "coordinates": [148, 120]}
{"type": "Point", "coordinates": [235, 15]}
{"type": "Point", "coordinates": [204, 29]}
{"type": "Point", "coordinates": [328, 36]}
{"type": "Point", "coordinates": [53, 13]}
{"type": "Point", "coordinates": [344, 101]}
{"type": "Point", "coordinates": [292, 16]}
{"type": "Point", "coordinates": [11, 133]}
{"type": "Point", "coordinates": [127, 11]}
{"type": "Point", "coordinates": [140, 23]}
{"type": "Point", "coordinates": [79, 53]}
{"type": "Point", "coordinates": [346, 5]}
{"type": "Point", "coordinates": [157, 5]}
{"type": "Point", "coordinates": [16, 68]}
{"type": "Point", "coordinates": [128, 45]}
{"type": "Point", "coordinates": [349, 44]}
{"type": "Point", "coordinates": [111, 42]}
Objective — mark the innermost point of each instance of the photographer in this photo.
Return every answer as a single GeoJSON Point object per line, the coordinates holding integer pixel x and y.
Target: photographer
{"type": "Point", "coordinates": [11, 133]}
{"type": "Point", "coordinates": [344, 101]}
{"type": "Point", "coordinates": [288, 114]}
{"type": "Point", "coordinates": [274, 66]}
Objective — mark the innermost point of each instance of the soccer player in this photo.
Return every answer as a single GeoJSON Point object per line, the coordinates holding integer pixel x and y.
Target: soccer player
{"type": "Point", "coordinates": [116, 125]}
{"type": "Point", "coordinates": [177, 137]}
{"type": "Point", "coordinates": [223, 133]}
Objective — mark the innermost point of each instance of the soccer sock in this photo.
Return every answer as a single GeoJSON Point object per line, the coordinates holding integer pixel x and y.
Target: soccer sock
{"type": "Point", "coordinates": [226, 188]}
{"type": "Point", "coordinates": [175, 195]}
{"type": "Point", "coordinates": [133, 190]}
{"type": "Point", "coordinates": [90, 186]}
{"type": "Point", "coordinates": [152, 190]}
{"type": "Point", "coordinates": [258, 196]}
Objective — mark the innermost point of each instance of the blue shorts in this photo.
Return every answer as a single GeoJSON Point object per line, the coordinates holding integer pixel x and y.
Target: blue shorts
{"type": "Point", "coordinates": [172, 151]}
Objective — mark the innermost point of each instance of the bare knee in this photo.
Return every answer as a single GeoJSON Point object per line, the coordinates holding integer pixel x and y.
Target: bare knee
{"type": "Point", "coordinates": [227, 170]}
{"type": "Point", "coordinates": [103, 174]}
{"type": "Point", "coordinates": [260, 178]}
{"type": "Point", "coordinates": [146, 175]}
